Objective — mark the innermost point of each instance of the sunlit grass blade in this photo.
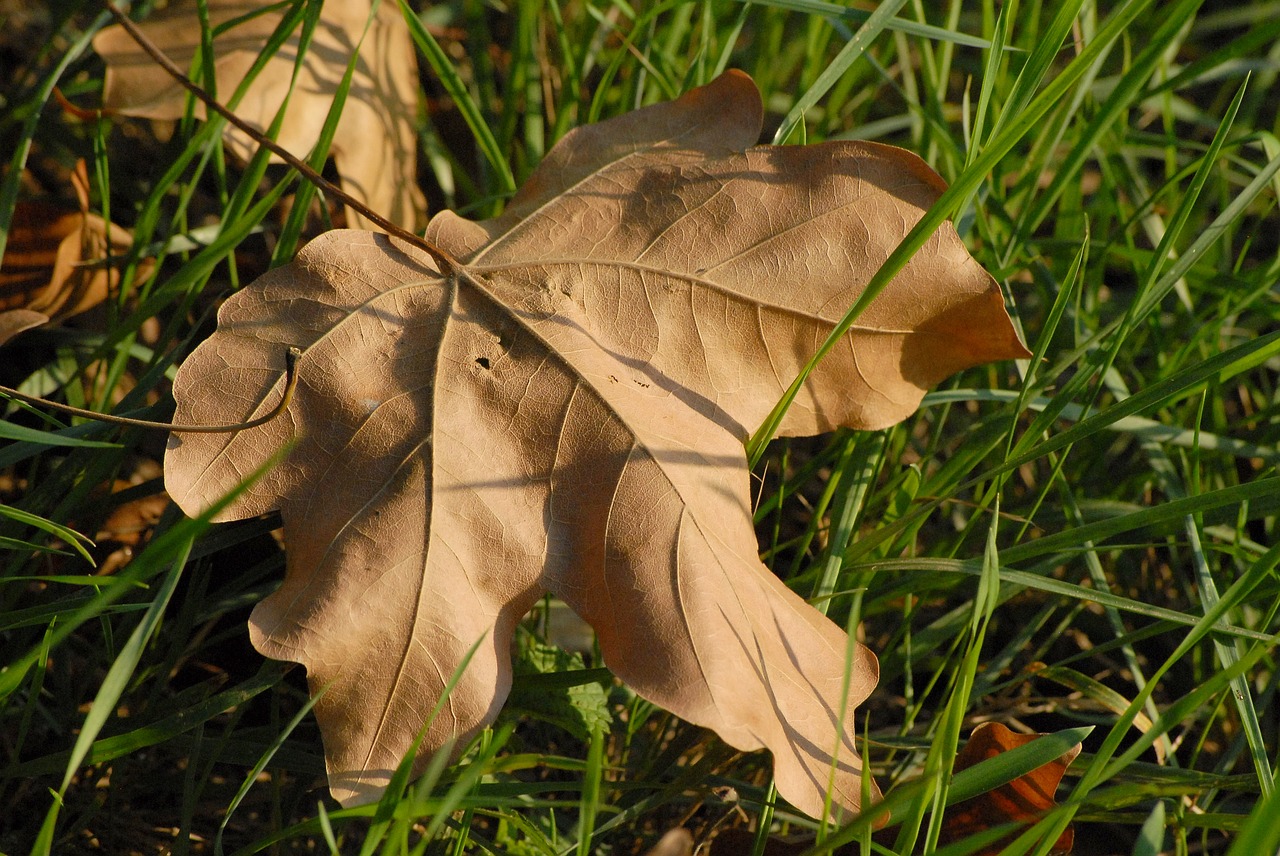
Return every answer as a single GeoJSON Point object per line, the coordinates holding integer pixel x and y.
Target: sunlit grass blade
{"type": "Point", "coordinates": [591, 790]}
{"type": "Point", "coordinates": [442, 66]}
{"type": "Point", "coordinates": [857, 16]}
{"type": "Point", "coordinates": [38, 438]}
{"type": "Point", "coordinates": [1151, 837]}
{"type": "Point", "coordinates": [1070, 591]}
{"type": "Point", "coordinates": [977, 127]}
{"type": "Point", "coordinates": [961, 189]}
{"type": "Point", "coordinates": [1120, 100]}
{"type": "Point", "coordinates": [106, 749]}
{"type": "Point", "coordinates": [261, 765]}
{"type": "Point", "coordinates": [386, 806]}
{"type": "Point", "coordinates": [1261, 833]}
{"type": "Point", "coordinates": [117, 677]}
{"type": "Point", "coordinates": [869, 30]}
{"type": "Point", "coordinates": [11, 185]}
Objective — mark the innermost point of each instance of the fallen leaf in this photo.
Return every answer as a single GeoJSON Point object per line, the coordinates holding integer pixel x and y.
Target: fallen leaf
{"type": "Point", "coordinates": [1024, 799]}
{"type": "Point", "coordinates": [15, 321]}
{"type": "Point", "coordinates": [58, 261]}
{"type": "Point", "coordinates": [375, 144]}
{"type": "Point", "coordinates": [131, 523]}
{"type": "Point", "coordinates": [566, 412]}
{"type": "Point", "coordinates": [677, 842]}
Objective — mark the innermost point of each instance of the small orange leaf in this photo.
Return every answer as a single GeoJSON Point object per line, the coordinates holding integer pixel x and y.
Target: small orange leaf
{"type": "Point", "coordinates": [1025, 798]}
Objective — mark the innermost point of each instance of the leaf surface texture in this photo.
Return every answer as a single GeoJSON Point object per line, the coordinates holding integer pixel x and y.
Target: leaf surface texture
{"type": "Point", "coordinates": [565, 412]}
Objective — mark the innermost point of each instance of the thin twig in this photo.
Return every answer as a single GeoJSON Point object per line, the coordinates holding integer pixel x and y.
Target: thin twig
{"type": "Point", "coordinates": [291, 358]}
{"type": "Point", "coordinates": [443, 260]}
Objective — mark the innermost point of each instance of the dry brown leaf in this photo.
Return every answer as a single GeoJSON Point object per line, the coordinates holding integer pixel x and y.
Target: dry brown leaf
{"type": "Point", "coordinates": [566, 412]}
{"type": "Point", "coordinates": [1026, 798]}
{"type": "Point", "coordinates": [58, 261]}
{"type": "Point", "coordinates": [677, 842]}
{"type": "Point", "coordinates": [375, 145]}
{"type": "Point", "coordinates": [131, 523]}
{"type": "Point", "coordinates": [15, 321]}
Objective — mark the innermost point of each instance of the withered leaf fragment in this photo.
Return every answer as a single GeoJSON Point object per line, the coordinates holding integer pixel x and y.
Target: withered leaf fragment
{"type": "Point", "coordinates": [375, 145]}
{"type": "Point", "coordinates": [566, 413]}
{"type": "Point", "coordinates": [676, 842]}
{"type": "Point", "coordinates": [58, 261]}
{"type": "Point", "coordinates": [1025, 798]}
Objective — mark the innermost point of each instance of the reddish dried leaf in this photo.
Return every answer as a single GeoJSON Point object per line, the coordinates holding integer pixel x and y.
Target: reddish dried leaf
{"type": "Point", "coordinates": [1025, 799]}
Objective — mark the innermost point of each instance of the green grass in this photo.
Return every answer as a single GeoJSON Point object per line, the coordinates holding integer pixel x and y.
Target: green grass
{"type": "Point", "coordinates": [1083, 543]}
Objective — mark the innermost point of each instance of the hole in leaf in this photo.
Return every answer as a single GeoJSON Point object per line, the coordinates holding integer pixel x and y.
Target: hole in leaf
{"type": "Point", "coordinates": [482, 362]}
